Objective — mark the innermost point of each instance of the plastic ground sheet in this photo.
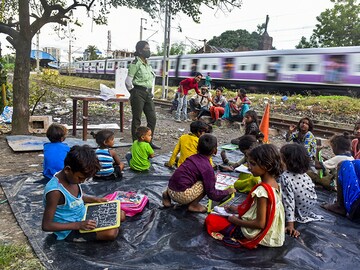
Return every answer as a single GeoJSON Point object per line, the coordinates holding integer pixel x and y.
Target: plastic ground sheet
{"type": "Point", "coordinates": [174, 238]}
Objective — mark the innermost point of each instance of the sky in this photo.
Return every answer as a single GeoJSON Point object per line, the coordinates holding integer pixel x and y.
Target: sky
{"type": "Point", "coordinates": [289, 21]}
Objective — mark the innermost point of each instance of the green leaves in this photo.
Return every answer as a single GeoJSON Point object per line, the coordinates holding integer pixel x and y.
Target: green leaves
{"type": "Point", "coordinates": [337, 27]}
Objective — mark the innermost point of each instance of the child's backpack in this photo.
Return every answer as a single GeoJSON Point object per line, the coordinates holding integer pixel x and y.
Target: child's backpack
{"type": "Point", "coordinates": [131, 202]}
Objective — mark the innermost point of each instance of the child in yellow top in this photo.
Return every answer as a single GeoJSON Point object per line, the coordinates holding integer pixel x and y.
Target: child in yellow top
{"type": "Point", "coordinates": [187, 144]}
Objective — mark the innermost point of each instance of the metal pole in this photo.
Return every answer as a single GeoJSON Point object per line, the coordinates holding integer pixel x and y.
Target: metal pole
{"type": "Point", "coordinates": [141, 27]}
{"type": "Point", "coordinates": [165, 75]}
{"type": "Point", "coordinates": [37, 53]}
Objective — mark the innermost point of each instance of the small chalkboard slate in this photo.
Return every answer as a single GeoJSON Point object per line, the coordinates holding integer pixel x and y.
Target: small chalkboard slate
{"type": "Point", "coordinates": [106, 215]}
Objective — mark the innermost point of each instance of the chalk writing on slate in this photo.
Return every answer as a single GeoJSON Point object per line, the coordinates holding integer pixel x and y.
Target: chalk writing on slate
{"type": "Point", "coordinates": [106, 215]}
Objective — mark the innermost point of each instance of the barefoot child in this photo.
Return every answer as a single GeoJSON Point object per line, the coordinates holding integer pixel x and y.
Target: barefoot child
{"type": "Point", "coordinates": [348, 191]}
{"type": "Point", "coordinates": [260, 219]}
{"type": "Point", "coordinates": [55, 151]}
{"type": "Point", "coordinates": [299, 196]}
{"type": "Point", "coordinates": [195, 178]}
{"type": "Point", "coordinates": [141, 150]}
{"type": "Point", "coordinates": [64, 199]}
{"type": "Point", "coordinates": [111, 166]}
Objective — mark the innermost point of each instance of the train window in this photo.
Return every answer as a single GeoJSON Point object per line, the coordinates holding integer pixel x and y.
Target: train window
{"type": "Point", "coordinates": [309, 67]}
{"type": "Point", "coordinates": [358, 68]}
{"type": "Point", "coordinates": [293, 66]}
{"type": "Point", "coordinates": [172, 64]}
{"type": "Point", "coordinates": [214, 67]}
{"type": "Point", "coordinates": [242, 67]}
{"type": "Point", "coordinates": [205, 67]}
{"type": "Point", "coordinates": [101, 65]}
{"type": "Point", "coordinates": [255, 67]}
{"type": "Point", "coordinates": [183, 67]}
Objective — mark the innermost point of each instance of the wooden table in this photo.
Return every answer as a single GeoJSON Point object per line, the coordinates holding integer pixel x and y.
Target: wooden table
{"type": "Point", "coordinates": [86, 100]}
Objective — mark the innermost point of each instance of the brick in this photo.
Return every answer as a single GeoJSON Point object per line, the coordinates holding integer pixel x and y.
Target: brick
{"type": "Point", "coordinates": [39, 123]}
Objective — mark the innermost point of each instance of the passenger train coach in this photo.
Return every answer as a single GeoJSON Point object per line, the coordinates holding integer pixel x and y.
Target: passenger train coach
{"type": "Point", "coordinates": [332, 69]}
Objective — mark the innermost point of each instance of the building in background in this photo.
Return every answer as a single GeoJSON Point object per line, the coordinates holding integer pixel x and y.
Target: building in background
{"type": "Point", "coordinates": [122, 54]}
{"type": "Point", "coordinates": [55, 52]}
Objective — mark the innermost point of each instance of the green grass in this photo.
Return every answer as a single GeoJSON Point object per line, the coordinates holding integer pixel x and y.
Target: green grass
{"type": "Point", "coordinates": [18, 257]}
{"type": "Point", "coordinates": [331, 105]}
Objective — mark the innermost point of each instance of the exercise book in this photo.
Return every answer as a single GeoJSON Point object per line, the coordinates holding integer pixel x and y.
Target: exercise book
{"type": "Point", "coordinates": [223, 181]}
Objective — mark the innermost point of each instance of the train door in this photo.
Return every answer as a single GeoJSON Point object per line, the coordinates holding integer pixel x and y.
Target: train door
{"type": "Point", "coordinates": [273, 68]}
{"type": "Point", "coordinates": [228, 68]}
{"type": "Point", "coordinates": [194, 67]}
{"type": "Point", "coordinates": [335, 68]}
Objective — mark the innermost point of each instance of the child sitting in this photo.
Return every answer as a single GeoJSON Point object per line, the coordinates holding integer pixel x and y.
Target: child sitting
{"type": "Point", "coordinates": [187, 144]}
{"type": "Point", "coordinates": [55, 151]}
{"type": "Point", "coordinates": [341, 146]}
{"type": "Point", "coordinates": [299, 196]}
{"type": "Point", "coordinates": [141, 150]}
{"type": "Point", "coordinates": [348, 191]}
{"type": "Point", "coordinates": [111, 166]}
{"type": "Point", "coordinates": [251, 126]}
{"type": "Point", "coordinates": [195, 178]}
{"type": "Point", "coordinates": [261, 217]}
{"type": "Point", "coordinates": [237, 107]}
{"type": "Point", "coordinates": [355, 145]}
{"type": "Point", "coordinates": [302, 134]}
{"type": "Point", "coordinates": [64, 199]}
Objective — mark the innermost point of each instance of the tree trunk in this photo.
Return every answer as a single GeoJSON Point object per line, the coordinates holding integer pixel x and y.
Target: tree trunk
{"type": "Point", "coordinates": [20, 119]}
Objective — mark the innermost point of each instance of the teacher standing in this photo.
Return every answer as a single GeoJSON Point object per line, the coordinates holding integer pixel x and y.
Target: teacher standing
{"type": "Point", "coordinates": [139, 82]}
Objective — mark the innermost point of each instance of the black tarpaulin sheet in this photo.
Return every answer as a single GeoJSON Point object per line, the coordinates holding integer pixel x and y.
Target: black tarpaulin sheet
{"type": "Point", "coordinates": [174, 238]}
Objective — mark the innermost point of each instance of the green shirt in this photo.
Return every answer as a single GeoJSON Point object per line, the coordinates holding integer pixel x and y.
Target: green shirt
{"type": "Point", "coordinates": [141, 72]}
{"type": "Point", "coordinates": [140, 152]}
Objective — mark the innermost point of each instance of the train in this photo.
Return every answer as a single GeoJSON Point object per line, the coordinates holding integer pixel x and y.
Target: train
{"type": "Point", "coordinates": [335, 69]}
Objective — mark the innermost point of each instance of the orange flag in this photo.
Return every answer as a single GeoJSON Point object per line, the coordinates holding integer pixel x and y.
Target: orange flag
{"type": "Point", "coordinates": [265, 123]}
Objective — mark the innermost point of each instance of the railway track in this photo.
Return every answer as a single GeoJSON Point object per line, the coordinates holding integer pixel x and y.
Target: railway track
{"type": "Point", "coordinates": [282, 122]}
{"type": "Point", "coordinates": [277, 121]}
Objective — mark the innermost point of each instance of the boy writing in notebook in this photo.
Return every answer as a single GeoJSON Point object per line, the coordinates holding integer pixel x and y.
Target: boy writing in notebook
{"type": "Point", "coordinates": [64, 199]}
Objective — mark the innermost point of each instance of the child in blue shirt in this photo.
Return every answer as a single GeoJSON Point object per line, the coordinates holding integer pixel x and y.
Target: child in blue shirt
{"type": "Point", "coordinates": [64, 199]}
{"type": "Point", "coordinates": [55, 151]}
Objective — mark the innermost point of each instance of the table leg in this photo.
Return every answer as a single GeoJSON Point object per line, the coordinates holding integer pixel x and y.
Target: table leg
{"type": "Point", "coordinates": [74, 116]}
{"type": "Point", "coordinates": [85, 119]}
{"type": "Point", "coordinates": [121, 116]}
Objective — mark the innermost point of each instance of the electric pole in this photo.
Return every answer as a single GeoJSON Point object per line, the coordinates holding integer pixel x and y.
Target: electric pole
{"type": "Point", "coordinates": [37, 53]}
{"type": "Point", "coordinates": [165, 75]}
{"type": "Point", "coordinates": [141, 26]}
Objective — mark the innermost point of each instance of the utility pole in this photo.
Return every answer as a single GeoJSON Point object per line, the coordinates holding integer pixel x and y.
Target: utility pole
{"type": "Point", "coordinates": [108, 45]}
{"type": "Point", "coordinates": [165, 75]}
{"type": "Point", "coordinates": [69, 56]}
{"type": "Point", "coordinates": [141, 26]}
{"type": "Point", "coordinates": [37, 53]}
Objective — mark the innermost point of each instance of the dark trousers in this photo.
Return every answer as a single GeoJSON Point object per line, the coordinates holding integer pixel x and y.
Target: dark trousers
{"type": "Point", "coordinates": [141, 101]}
